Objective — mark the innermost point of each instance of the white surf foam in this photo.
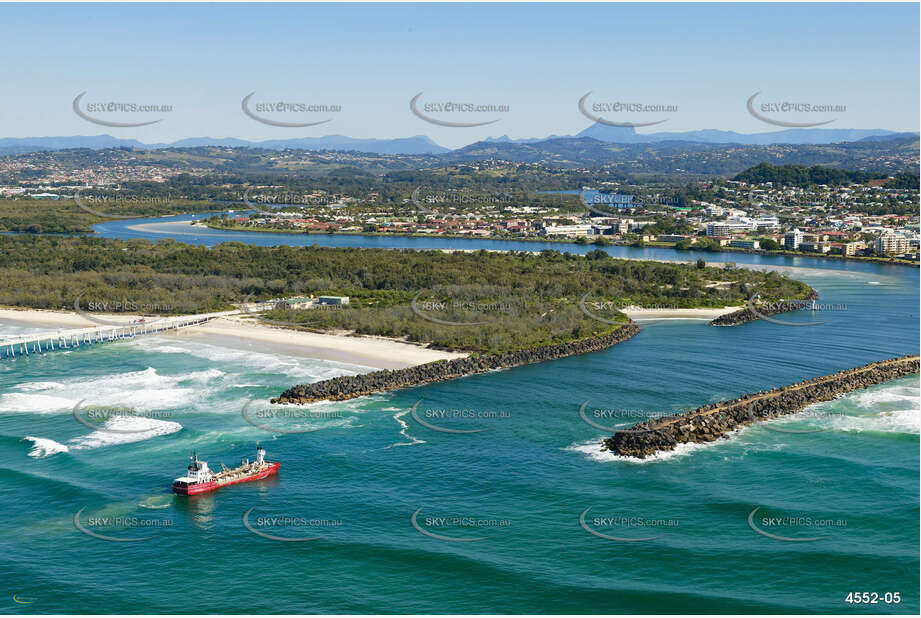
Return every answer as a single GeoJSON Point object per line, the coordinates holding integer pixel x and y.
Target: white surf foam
{"type": "Point", "coordinates": [140, 428]}
{"type": "Point", "coordinates": [894, 393]}
{"type": "Point", "coordinates": [40, 404]}
{"type": "Point", "coordinates": [398, 417]}
{"type": "Point", "coordinates": [592, 450]}
{"type": "Point", "coordinates": [308, 370]}
{"type": "Point", "coordinates": [39, 386]}
{"type": "Point", "coordinates": [895, 421]}
{"type": "Point", "coordinates": [888, 408]}
{"type": "Point", "coordinates": [143, 390]}
{"type": "Point", "coordinates": [43, 447]}
{"type": "Point", "coordinates": [305, 417]}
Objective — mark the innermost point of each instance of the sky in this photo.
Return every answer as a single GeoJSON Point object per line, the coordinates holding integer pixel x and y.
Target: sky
{"type": "Point", "coordinates": [702, 61]}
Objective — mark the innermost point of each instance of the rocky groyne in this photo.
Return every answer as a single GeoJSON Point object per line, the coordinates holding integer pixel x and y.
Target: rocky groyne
{"type": "Point", "coordinates": [763, 310]}
{"type": "Point", "coordinates": [348, 387]}
{"type": "Point", "coordinates": [716, 420]}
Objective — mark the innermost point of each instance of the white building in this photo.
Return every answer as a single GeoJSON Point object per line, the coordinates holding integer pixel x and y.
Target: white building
{"type": "Point", "coordinates": [766, 223]}
{"type": "Point", "coordinates": [792, 240]}
{"type": "Point", "coordinates": [892, 244]}
{"type": "Point", "coordinates": [745, 244]}
{"type": "Point", "coordinates": [567, 230]}
{"type": "Point", "coordinates": [725, 228]}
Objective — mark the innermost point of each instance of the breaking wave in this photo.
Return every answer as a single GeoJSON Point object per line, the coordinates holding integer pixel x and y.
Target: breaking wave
{"type": "Point", "coordinates": [148, 390]}
{"type": "Point", "coordinates": [43, 447]}
{"type": "Point", "coordinates": [140, 428]}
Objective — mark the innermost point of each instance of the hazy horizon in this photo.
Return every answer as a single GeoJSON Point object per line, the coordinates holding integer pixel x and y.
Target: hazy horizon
{"type": "Point", "coordinates": [700, 63]}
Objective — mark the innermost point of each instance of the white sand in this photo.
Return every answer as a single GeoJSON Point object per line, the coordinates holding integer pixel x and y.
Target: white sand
{"type": "Point", "coordinates": [240, 332]}
{"type": "Point", "coordinates": [639, 313]}
{"type": "Point", "coordinates": [379, 352]}
{"type": "Point", "coordinates": [56, 320]}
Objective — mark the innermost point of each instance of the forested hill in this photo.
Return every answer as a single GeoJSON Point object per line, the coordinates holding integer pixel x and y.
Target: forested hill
{"type": "Point", "coordinates": [802, 176]}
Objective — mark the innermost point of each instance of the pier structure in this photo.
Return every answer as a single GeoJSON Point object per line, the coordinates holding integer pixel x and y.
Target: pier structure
{"type": "Point", "coordinates": [71, 339]}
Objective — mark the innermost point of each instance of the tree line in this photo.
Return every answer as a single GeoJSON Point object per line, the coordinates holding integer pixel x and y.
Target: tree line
{"type": "Point", "coordinates": [501, 301]}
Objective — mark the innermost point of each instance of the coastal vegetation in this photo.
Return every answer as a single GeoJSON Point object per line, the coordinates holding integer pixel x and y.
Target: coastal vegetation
{"type": "Point", "coordinates": [65, 216]}
{"type": "Point", "coordinates": [480, 301]}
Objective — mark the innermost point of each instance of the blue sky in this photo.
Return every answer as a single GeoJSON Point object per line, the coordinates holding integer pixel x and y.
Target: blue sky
{"type": "Point", "coordinates": [371, 59]}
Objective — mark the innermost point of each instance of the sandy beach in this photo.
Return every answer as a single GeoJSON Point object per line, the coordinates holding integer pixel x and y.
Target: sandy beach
{"type": "Point", "coordinates": [377, 352]}
{"type": "Point", "coordinates": [639, 313]}
{"type": "Point", "coordinates": [244, 333]}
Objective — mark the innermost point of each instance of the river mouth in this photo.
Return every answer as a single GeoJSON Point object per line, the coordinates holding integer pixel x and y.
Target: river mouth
{"type": "Point", "coordinates": [369, 463]}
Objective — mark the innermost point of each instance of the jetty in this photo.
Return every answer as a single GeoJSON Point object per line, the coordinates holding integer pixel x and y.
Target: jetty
{"type": "Point", "coordinates": [74, 338]}
{"type": "Point", "coordinates": [714, 421]}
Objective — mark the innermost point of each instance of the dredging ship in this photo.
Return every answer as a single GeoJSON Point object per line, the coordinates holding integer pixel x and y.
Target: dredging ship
{"type": "Point", "coordinates": [199, 478]}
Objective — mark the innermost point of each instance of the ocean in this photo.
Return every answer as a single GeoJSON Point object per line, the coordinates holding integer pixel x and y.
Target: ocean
{"type": "Point", "coordinates": [522, 513]}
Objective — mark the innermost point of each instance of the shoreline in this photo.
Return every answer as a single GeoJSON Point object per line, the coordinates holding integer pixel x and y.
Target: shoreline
{"type": "Point", "coordinates": [716, 420]}
{"type": "Point", "coordinates": [704, 313]}
{"type": "Point", "coordinates": [652, 244]}
{"type": "Point", "coordinates": [764, 312]}
{"type": "Point", "coordinates": [140, 227]}
{"type": "Point", "coordinates": [238, 333]}
{"type": "Point", "coordinates": [350, 387]}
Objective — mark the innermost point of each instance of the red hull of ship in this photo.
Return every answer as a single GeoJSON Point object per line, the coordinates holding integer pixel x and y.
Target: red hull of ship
{"type": "Point", "coordinates": [200, 488]}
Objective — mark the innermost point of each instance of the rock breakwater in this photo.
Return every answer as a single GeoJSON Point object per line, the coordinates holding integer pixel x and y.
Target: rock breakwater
{"type": "Point", "coordinates": [714, 421]}
{"type": "Point", "coordinates": [754, 312]}
{"type": "Point", "coordinates": [348, 387]}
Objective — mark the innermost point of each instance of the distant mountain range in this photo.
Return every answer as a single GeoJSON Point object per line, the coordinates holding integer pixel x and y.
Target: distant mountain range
{"type": "Point", "coordinates": [880, 154]}
{"type": "Point", "coordinates": [628, 135]}
{"type": "Point", "coordinates": [887, 153]}
{"type": "Point", "coordinates": [416, 145]}
{"type": "Point", "coordinates": [422, 145]}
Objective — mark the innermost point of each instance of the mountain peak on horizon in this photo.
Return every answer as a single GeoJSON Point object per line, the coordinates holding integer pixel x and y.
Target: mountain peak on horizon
{"type": "Point", "coordinates": [424, 145]}
{"type": "Point", "coordinates": [415, 145]}
{"type": "Point", "coordinates": [628, 135]}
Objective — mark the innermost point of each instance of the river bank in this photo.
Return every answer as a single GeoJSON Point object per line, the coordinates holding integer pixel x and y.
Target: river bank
{"type": "Point", "coordinates": [714, 421]}
{"type": "Point", "coordinates": [822, 256]}
{"type": "Point", "coordinates": [607, 243]}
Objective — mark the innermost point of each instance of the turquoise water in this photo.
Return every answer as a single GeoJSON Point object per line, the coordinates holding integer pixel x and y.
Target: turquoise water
{"type": "Point", "coordinates": [355, 481]}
